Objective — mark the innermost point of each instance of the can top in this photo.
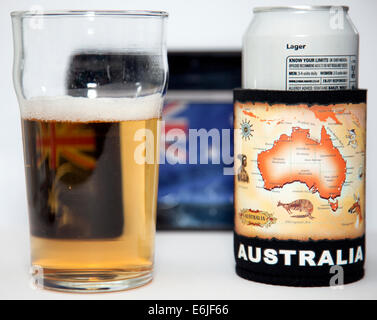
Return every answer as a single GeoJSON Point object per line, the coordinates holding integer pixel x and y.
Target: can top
{"type": "Point", "coordinates": [298, 8]}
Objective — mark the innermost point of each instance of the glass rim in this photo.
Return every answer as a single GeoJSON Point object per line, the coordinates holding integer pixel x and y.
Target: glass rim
{"type": "Point", "coordinates": [89, 13]}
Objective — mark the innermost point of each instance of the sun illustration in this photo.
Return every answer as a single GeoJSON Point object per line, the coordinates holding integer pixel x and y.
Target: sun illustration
{"type": "Point", "coordinates": [246, 129]}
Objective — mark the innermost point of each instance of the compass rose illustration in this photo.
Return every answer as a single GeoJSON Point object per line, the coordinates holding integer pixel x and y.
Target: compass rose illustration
{"type": "Point", "coordinates": [246, 129]}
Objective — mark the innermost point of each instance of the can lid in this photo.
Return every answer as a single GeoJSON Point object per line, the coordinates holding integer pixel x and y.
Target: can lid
{"type": "Point", "coordinates": [298, 8]}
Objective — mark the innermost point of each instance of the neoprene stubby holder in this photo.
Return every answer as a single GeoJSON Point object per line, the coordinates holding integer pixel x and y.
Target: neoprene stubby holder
{"type": "Point", "coordinates": [300, 186]}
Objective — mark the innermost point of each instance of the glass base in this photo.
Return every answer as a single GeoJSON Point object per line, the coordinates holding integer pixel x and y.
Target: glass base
{"type": "Point", "coordinates": [89, 281]}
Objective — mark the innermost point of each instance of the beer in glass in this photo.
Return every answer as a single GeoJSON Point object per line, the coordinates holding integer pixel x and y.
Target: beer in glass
{"type": "Point", "coordinates": [90, 87]}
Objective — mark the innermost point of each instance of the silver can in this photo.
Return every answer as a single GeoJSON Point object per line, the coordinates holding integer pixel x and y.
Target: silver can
{"type": "Point", "coordinates": [300, 48]}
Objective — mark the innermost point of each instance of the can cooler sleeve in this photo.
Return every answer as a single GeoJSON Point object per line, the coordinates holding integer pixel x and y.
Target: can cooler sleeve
{"type": "Point", "coordinates": [299, 193]}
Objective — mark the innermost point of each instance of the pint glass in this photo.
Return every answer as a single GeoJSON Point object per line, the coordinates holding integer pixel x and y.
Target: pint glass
{"type": "Point", "coordinates": [90, 87]}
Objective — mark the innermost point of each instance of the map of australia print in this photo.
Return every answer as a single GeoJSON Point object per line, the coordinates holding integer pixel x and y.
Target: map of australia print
{"type": "Point", "coordinates": [299, 158]}
{"type": "Point", "coordinates": [307, 159]}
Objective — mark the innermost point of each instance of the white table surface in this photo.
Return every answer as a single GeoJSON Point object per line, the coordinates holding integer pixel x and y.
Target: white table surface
{"type": "Point", "coordinates": [189, 265]}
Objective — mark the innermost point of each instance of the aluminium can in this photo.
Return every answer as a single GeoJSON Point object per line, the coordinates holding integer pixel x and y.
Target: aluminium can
{"type": "Point", "coordinates": [302, 48]}
{"type": "Point", "coordinates": [300, 150]}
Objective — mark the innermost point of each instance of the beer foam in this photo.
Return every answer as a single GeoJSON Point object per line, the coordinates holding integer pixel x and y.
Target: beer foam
{"type": "Point", "coordinates": [78, 109]}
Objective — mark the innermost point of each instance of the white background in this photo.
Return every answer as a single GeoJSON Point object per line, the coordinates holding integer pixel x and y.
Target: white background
{"type": "Point", "coordinates": [194, 24]}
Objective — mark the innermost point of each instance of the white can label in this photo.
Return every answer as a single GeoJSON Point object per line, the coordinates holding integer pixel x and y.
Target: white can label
{"type": "Point", "coordinates": [315, 72]}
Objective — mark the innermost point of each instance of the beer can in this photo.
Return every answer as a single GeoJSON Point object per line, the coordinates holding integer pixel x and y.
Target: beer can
{"type": "Point", "coordinates": [302, 48]}
{"type": "Point", "coordinates": [300, 150]}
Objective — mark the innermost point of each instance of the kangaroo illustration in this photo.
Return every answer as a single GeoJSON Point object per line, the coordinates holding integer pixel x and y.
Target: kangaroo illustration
{"type": "Point", "coordinates": [301, 205]}
{"type": "Point", "coordinates": [242, 174]}
{"type": "Point", "coordinates": [352, 138]}
{"type": "Point", "coordinates": [356, 208]}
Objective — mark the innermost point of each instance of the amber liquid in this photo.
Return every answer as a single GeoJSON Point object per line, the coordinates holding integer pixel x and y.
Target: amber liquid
{"type": "Point", "coordinates": [92, 206]}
